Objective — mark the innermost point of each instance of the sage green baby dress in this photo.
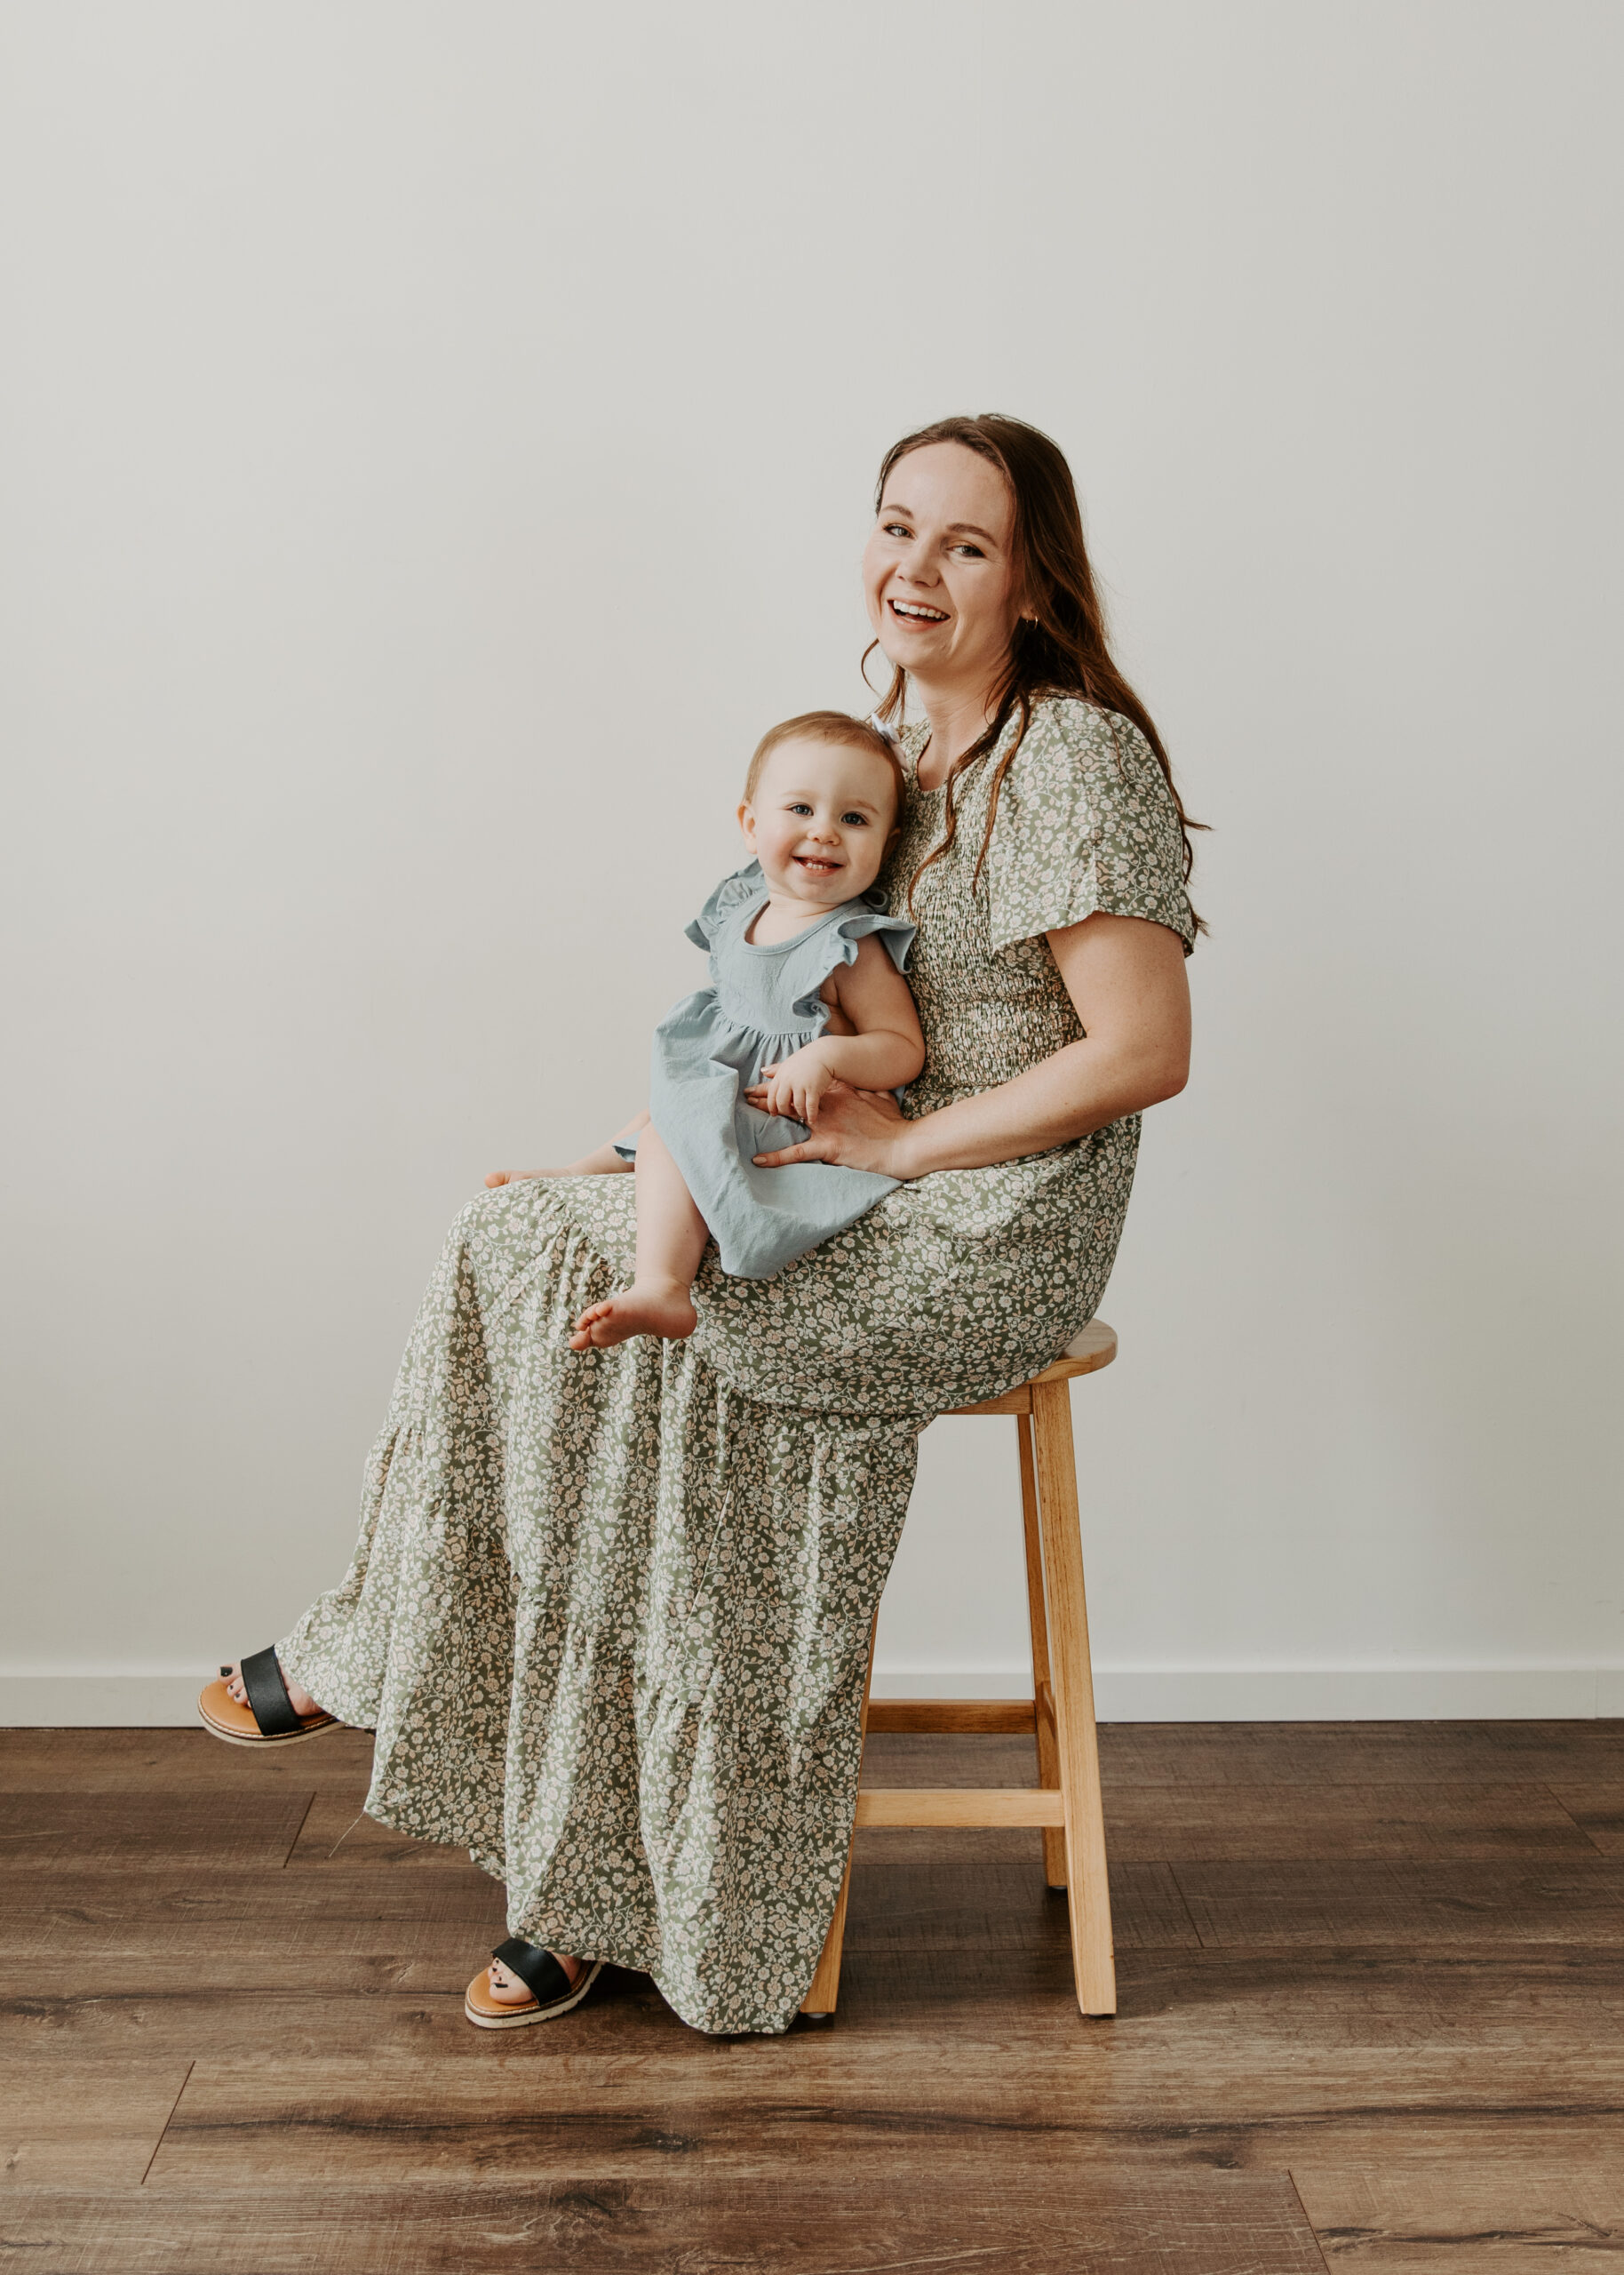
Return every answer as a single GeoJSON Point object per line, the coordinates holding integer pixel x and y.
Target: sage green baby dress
{"type": "Point", "coordinates": [762, 1002]}
{"type": "Point", "coordinates": [609, 1611]}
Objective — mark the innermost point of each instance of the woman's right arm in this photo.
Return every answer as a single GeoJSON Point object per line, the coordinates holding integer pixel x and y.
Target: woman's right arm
{"type": "Point", "coordinates": [1126, 977]}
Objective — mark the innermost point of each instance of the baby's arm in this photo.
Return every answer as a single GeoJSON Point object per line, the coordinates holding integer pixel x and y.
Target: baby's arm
{"type": "Point", "coordinates": [884, 1049]}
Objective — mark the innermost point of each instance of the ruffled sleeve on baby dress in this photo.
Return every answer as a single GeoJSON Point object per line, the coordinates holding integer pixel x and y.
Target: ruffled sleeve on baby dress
{"type": "Point", "coordinates": [744, 884]}
{"type": "Point", "coordinates": [1086, 822]}
{"type": "Point", "coordinates": [895, 932]}
{"type": "Point", "coordinates": [826, 947]}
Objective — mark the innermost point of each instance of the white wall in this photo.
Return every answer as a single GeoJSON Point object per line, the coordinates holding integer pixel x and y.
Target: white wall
{"type": "Point", "coordinates": [437, 441]}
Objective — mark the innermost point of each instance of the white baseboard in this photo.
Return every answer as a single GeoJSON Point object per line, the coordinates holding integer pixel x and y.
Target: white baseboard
{"type": "Point", "coordinates": [1296, 1694]}
{"type": "Point", "coordinates": [1354, 1694]}
{"type": "Point", "coordinates": [166, 1699]}
{"type": "Point", "coordinates": [70, 1701]}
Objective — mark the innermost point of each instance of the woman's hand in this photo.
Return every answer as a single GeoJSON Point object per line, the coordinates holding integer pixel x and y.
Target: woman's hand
{"type": "Point", "coordinates": [858, 1129]}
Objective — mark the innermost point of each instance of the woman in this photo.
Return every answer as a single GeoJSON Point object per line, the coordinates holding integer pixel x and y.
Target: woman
{"type": "Point", "coordinates": [610, 1615]}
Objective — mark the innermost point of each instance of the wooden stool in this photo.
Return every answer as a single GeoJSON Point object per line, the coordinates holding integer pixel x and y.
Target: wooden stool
{"type": "Point", "coordinates": [1067, 1802]}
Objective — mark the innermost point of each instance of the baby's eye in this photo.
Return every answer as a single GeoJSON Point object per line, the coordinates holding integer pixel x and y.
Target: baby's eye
{"type": "Point", "coordinates": [799, 806]}
{"type": "Point", "coordinates": [854, 821]}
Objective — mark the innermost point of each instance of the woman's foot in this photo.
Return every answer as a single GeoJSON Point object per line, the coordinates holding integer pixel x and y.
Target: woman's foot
{"type": "Point", "coordinates": [525, 1984]}
{"type": "Point", "coordinates": [509, 1992]}
{"type": "Point", "coordinates": [300, 1701]}
{"type": "Point", "coordinates": [662, 1307]}
{"type": "Point", "coordinates": [254, 1703]}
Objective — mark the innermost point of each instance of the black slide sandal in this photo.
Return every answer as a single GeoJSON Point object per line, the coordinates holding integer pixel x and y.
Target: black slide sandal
{"type": "Point", "coordinates": [542, 1976]}
{"type": "Point", "coordinates": [268, 1719]}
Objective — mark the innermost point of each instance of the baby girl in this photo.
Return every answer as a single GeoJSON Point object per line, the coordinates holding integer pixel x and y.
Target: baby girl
{"type": "Point", "coordinates": [807, 989]}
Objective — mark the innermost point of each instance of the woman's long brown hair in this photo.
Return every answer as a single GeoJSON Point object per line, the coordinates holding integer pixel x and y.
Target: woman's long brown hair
{"type": "Point", "coordinates": [1060, 648]}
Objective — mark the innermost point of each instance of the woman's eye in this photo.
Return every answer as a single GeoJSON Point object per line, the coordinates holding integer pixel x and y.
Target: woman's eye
{"type": "Point", "coordinates": [973, 551]}
{"type": "Point", "coordinates": [896, 529]}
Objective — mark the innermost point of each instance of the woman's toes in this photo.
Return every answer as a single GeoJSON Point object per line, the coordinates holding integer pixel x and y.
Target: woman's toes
{"type": "Point", "coordinates": [301, 1702]}
{"type": "Point", "coordinates": [511, 1992]}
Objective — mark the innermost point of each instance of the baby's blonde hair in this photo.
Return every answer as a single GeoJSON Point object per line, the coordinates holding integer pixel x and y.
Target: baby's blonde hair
{"type": "Point", "coordinates": [827, 726]}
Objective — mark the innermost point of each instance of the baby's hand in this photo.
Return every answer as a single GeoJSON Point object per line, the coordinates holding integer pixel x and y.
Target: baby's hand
{"type": "Point", "coordinates": [795, 1090]}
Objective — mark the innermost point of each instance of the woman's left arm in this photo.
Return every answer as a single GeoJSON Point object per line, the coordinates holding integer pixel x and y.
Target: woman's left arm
{"type": "Point", "coordinates": [1126, 977]}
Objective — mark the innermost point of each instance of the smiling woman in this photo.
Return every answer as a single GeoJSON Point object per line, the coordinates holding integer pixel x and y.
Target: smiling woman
{"type": "Point", "coordinates": [610, 1610]}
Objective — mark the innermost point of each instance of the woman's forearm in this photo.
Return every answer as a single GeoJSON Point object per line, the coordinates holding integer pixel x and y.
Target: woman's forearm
{"type": "Point", "coordinates": [1125, 978]}
{"type": "Point", "coordinates": [1081, 1088]}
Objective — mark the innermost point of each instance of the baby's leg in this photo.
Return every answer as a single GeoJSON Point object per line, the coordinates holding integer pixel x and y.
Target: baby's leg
{"type": "Point", "coordinates": [670, 1237]}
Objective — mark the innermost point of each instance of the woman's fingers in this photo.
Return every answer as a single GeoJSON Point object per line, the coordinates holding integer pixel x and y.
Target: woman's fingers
{"type": "Point", "coordinates": [855, 1131]}
{"type": "Point", "coordinates": [811, 1149]}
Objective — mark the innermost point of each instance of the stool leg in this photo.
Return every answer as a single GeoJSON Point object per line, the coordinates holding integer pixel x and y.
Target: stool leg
{"type": "Point", "coordinates": [1088, 1892]}
{"type": "Point", "coordinates": [826, 1989]}
{"type": "Point", "coordinates": [1043, 1687]}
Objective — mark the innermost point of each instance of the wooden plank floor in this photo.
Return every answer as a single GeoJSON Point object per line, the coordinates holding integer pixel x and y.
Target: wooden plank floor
{"type": "Point", "coordinates": [1372, 1997]}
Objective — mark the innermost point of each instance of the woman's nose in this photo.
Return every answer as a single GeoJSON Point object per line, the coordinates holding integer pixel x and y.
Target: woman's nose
{"type": "Point", "coordinates": [916, 567]}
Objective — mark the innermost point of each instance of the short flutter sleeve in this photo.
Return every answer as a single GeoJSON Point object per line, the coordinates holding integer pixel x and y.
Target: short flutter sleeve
{"type": "Point", "coordinates": [1085, 823]}
{"type": "Point", "coordinates": [743, 884]}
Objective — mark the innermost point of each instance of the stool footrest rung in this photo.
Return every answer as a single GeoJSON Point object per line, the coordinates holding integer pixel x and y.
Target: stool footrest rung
{"type": "Point", "coordinates": [1010, 1716]}
{"type": "Point", "coordinates": [993, 1805]}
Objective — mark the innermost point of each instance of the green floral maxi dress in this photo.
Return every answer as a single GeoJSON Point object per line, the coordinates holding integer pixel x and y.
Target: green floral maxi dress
{"type": "Point", "coordinates": [610, 1613]}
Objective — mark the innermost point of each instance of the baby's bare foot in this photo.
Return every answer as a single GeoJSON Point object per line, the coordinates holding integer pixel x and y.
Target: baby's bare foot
{"type": "Point", "coordinates": [509, 1992]}
{"type": "Point", "coordinates": [301, 1702]}
{"type": "Point", "coordinates": [647, 1307]}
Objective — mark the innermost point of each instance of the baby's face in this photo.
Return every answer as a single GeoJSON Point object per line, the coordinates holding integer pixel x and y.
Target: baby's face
{"type": "Point", "coordinates": [821, 818]}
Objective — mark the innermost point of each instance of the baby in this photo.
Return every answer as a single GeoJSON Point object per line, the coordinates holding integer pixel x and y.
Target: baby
{"type": "Point", "coordinates": [807, 989]}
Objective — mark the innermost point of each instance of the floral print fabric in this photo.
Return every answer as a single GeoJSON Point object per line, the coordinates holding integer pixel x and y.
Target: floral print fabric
{"type": "Point", "coordinates": [609, 1612]}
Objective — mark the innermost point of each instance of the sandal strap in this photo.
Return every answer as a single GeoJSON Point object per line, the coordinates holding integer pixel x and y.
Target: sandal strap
{"type": "Point", "coordinates": [267, 1695]}
{"type": "Point", "coordinates": [539, 1972]}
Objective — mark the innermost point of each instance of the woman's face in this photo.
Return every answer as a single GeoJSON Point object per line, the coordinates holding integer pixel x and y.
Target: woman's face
{"type": "Point", "coordinates": [939, 572]}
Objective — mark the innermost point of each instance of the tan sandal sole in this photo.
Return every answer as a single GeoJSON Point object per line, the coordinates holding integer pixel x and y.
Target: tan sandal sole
{"type": "Point", "coordinates": [223, 1717]}
{"type": "Point", "coordinates": [488, 2013]}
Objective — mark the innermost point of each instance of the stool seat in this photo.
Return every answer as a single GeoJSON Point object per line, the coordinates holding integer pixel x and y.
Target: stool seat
{"type": "Point", "coordinates": [1065, 1803]}
{"type": "Point", "coordinates": [1085, 1354]}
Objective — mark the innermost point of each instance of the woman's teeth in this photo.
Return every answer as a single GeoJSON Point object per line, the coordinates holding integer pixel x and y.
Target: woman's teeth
{"type": "Point", "coordinates": [920, 615]}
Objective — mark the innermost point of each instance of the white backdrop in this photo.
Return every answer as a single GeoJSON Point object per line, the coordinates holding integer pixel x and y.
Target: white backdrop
{"type": "Point", "coordinates": [437, 441]}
